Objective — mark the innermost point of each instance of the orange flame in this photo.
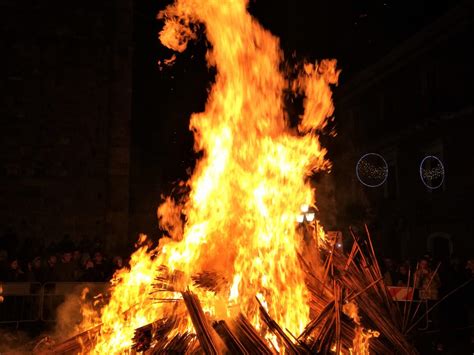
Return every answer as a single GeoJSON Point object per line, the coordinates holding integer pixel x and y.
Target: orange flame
{"type": "Point", "coordinates": [362, 335]}
{"type": "Point", "coordinates": [361, 341]}
{"type": "Point", "coordinates": [246, 189]}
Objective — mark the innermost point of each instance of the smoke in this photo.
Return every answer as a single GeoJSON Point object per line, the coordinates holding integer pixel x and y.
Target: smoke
{"type": "Point", "coordinates": [69, 315]}
{"type": "Point", "coordinates": [10, 340]}
{"type": "Point", "coordinates": [76, 312]}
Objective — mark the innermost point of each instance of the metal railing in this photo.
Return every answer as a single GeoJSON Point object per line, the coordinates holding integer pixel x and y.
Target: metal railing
{"type": "Point", "coordinates": [31, 302]}
{"type": "Point", "coordinates": [21, 302]}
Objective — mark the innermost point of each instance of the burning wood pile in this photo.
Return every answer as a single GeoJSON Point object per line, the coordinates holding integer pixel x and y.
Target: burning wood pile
{"type": "Point", "coordinates": [232, 273]}
{"type": "Point", "coordinates": [353, 314]}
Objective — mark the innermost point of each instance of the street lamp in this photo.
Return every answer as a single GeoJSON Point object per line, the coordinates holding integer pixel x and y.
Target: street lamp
{"type": "Point", "coordinates": [307, 220]}
{"type": "Point", "coordinates": [308, 214]}
{"type": "Point", "coordinates": [308, 226]}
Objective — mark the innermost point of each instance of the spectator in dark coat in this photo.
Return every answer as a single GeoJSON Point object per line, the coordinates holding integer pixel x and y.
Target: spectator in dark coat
{"type": "Point", "coordinates": [89, 273]}
{"type": "Point", "coordinates": [76, 260]}
{"type": "Point", "coordinates": [76, 256]}
{"type": "Point", "coordinates": [390, 274]}
{"type": "Point", "coordinates": [117, 264]}
{"type": "Point", "coordinates": [14, 272]}
{"type": "Point", "coordinates": [50, 270]}
{"type": "Point", "coordinates": [402, 275]}
{"type": "Point", "coordinates": [35, 271]}
{"type": "Point", "coordinates": [101, 268]}
{"type": "Point", "coordinates": [66, 268]}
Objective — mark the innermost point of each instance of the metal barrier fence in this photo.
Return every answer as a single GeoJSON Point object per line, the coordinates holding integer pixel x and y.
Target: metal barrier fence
{"type": "Point", "coordinates": [21, 302]}
{"type": "Point", "coordinates": [31, 302]}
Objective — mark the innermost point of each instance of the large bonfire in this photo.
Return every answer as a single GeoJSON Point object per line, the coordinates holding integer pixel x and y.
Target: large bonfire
{"type": "Point", "coordinates": [231, 243]}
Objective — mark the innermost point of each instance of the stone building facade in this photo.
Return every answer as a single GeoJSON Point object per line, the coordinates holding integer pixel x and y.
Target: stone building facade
{"type": "Point", "coordinates": [416, 101]}
{"type": "Point", "coordinates": [66, 107]}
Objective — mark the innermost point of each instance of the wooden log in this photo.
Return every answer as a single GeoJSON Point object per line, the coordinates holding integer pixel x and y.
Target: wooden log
{"type": "Point", "coordinates": [232, 342]}
{"type": "Point", "coordinates": [207, 337]}
{"type": "Point", "coordinates": [158, 330]}
{"type": "Point", "coordinates": [275, 329]}
{"type": "Point", "coordinates": [211, 281]}
{"type": "Point", "coordinates": [249, 336]}
{"type": "Point", "coordinates": [77, 343]}
{"type": "Point", "coordinates": [337, 311]}
{"type": "Point", "coordinates": [180, 343]}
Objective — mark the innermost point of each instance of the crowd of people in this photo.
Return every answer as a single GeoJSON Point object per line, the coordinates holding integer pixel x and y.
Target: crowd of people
{"type": "Point", "coordinates": [429, 277]}
{"type": "Point", "coordinates": [58, 262]}
{"type": "Point", "coordinates": [446, 287]}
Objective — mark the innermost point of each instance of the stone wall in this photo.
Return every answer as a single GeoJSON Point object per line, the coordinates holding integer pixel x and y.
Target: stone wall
{"type": "Point", "coordinates": [66, 91]}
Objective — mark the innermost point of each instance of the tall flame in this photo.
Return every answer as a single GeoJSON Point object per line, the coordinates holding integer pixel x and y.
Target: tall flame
{"type": "Point", "coordinates": [245, 190]}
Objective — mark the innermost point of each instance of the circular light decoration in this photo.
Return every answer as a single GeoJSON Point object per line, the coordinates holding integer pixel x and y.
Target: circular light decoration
{"type": "Point", "coordinates": [372, 170]}
{"type": "Point", "coordinates": [432, 172]}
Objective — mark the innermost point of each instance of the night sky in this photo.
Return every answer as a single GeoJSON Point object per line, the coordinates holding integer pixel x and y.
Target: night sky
{"type": "Point", "coordinates": [357, 33]}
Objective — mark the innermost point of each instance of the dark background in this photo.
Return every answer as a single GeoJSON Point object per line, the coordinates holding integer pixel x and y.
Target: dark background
{"type": "Point", "coordinates": [93, 132]}
{"type": "Point", "coordinates": [357, 33]}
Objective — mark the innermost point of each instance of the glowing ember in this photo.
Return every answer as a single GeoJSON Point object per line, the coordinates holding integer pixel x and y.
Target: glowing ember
{"type": "Point", "coordinates": [245, 191]}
